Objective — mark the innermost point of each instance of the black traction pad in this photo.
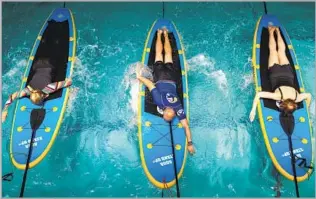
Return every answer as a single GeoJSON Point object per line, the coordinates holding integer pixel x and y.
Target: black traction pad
{"type": "Point", "coordinates": [54, 46]}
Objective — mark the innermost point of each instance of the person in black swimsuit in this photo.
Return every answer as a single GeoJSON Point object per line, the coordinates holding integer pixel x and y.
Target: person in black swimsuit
{"type": "Point", "coordinates": [40, 85]}
{"type": "Point", "coordinates": [281, 76]}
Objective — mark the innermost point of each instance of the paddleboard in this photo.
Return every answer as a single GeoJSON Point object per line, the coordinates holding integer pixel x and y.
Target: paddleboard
{"type": "Point", "coordinates": [57, 41]}
{"type": "Point", "coordinates": [153, 132]}
{"type": "Point", "coordinates": [275, 137]}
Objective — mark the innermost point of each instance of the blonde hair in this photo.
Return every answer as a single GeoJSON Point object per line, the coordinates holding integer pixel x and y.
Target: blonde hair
{"type": "Point", "coordinates": [36, 96]}
{"type": "Point", "coordinates": [168, 114]}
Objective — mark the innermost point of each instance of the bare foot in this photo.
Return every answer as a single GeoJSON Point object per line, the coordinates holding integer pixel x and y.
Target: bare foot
{"type": "Point", "coordinates": [165, 31]}
{"type": "Point", "coordinates": [271, 29]}
{"type": "Point", "coordinates": [278, 30]}
{"type": "Point", "coordinates": [159, 32]}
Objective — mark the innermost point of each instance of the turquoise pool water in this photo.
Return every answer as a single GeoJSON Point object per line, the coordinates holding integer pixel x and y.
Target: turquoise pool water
{"type": "Point", "coordinates": [96, 153]}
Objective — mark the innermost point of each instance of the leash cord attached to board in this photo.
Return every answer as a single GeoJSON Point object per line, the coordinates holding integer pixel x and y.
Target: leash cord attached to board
{"type": "Point", "coordinates": [174, 161]}
{"type": "Point", "coordinates": [265, 7]}
{"type": "Point", "coordinates": [163, 9]}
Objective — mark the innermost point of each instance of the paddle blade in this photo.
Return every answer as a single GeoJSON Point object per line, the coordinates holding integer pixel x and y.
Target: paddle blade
{"type": "Point", "coordinates": [288, 123]}
{"type": "Point", "coordinates": [37, 118]}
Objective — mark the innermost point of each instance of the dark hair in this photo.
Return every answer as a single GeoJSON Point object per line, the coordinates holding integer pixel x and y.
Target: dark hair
{"type": "Point", "coordinates": [288, 106]}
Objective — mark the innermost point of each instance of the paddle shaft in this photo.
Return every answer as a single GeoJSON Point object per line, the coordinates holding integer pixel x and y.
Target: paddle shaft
{"type": "Point", "coordinates": [174, 160]}
{"type": "Point", "coordinates": [293, 166]}
{"type": "Point", "coordinates": [27, 164]}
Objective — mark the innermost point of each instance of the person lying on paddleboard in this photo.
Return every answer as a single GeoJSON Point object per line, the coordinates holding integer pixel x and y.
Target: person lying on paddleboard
{"type": "Point", "coordinates": [39, 87]}
{"type": "Point", "coordinates": [281, 76]}
{"type": "Point", "coordinates": [164, 90]}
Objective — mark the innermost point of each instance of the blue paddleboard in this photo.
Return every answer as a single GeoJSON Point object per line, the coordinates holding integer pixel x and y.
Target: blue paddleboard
{"type": "Point", "coordinates": [57, 41]}
{"type": "Point", "coordinates": [153, 132]}
{"type": "Point", "coordinates": [275, 137]}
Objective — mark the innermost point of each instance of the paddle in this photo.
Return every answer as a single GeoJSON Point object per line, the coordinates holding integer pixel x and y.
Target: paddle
{"type": "Point", "coordinates": [288, 123]}
{"type": "Point", "coordinates": [174, 161]}
{"type": "Point", "coordinates": [37, 117]}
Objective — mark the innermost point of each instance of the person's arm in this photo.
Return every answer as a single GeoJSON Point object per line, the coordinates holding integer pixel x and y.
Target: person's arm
{"type": "Point", "coordinates": [53, 87]}
{"type": "Point", "coordinates": [188, 134]}
{"type": "Point", "coordinates": [304, 96]}
{"type": "Point", "coordinates": [149, 84]}
{"type": "Point", "coordinates": [11, 99]}
{"type": "Point", "coordinates": [183, 120]}
{"type": "Point", "coordinates": [186, 127]}
{"type": "Point", "coordinates": [262, 94]}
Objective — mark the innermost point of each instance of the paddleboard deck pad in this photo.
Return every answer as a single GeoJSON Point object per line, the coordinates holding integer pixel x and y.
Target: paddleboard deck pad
{"type": "Point", "coordinates": [154, 133]}
{"type": "Point", "coordinates": [56, 41]}
{"type": "Point", "coordinates": [279, 131]}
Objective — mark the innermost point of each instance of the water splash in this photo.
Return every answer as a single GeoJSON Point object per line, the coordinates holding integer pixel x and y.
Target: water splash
{"type": "Point", "coordinates": [204, 64]}
{"type": "Point", "coordinates": [73, 96]}
{"type": "Point", "coordinates": [12, 78]}
{"type": "Point", "coordinates": [119, 146]}
{"type": "Point", "coordinates": [247, 80]}
{"type": "Point", "coordinates": [221, 80]}
{"type": "Point", "coordinates": [312, 109]}
{"type": "Point", "coordinates": [201, 63]}
{"type": "Point", "coordinates": [248, 77]}
{"type": "Point", "coordinates": [131, 86]}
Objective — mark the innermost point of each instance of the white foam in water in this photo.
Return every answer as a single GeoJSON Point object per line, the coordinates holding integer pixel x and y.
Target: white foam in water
{"type": "Point", "coordinates": [201, 63]}
{"type": "Point", "coordinates": [230, 145]}
{"type": "Point", "coordinates": [118, 144]}
{"type": "Point", "coordinates": [225, 149]}
{"type": "Point", "coordinates": [131, 85]}
{"type": "Point", "coordinates": [248, 77]}
{"type": "Point", "coordinates": [243, 139]}
{"type": "Point", "coordinates": [312, 109]}
{"type": "Point", "coordinates": [87, 77]}
{"type": "Point", "coordinates": [12, 79]}
{"type": "Point", "coordinates": [12, 72]}
{"type": "Point", "coordinates": [73, 93]}
{"type": "Point", "coordinates": [248, 65]}
{"type": "Point", "coordinates": [231, 188]}
{"type": "Point", "coordinates": [247, 80]}
{"type": "Point", "coordinates": [221, 80]}
{"type": "Point", "coordinates": [224, 143]}
{"type": "Point", "coordinates": [134, 95]}
{"type": "Point", "coordinates": [204, 64]}
{"type": "Point", "coordinates": [72, 98]}
{"type": "Point", "coordinates": [222, 146]}
{"type": "Point", "coordinates": [90, 139]}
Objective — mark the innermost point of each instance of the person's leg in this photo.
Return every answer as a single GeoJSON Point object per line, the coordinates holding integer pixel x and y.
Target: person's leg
{"type": "Point", "coordinates": [167, 47]}
{"type": "Point", "coordinates": [158, 56]}
{"type": "Point", "coordinates": [273, 56]}
{"type": "Point", "coordinates": [281, 51]}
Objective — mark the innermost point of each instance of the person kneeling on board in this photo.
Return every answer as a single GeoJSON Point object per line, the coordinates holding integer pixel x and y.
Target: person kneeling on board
{"type": "Point", "coordinates": [39, 87]}
{"type": "Point", "coordinates": [164, 90]}
{"type": "Point", "coordinates": [281, 77]}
